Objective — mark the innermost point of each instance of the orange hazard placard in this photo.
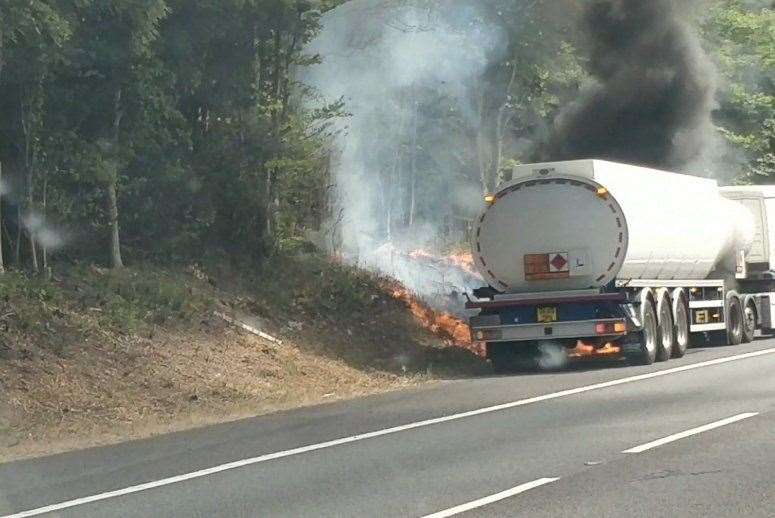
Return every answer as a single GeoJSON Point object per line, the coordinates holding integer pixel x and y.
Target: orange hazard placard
{"type": "Point", "coordinates": [540, 267]}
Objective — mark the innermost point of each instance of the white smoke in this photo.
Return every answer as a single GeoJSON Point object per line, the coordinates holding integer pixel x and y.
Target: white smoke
{"type": "Point", "coordinates": [388, 59]}
{"type": "Point", "coordinates": [42, 231]}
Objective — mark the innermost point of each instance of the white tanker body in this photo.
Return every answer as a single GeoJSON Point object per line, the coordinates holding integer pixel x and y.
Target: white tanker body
{"type": "Point", "coordinates": [602, 257]}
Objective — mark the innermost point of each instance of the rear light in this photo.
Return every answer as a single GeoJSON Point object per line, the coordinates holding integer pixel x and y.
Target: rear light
{"type": "Point", "coordinates": [610, 328]}
{"type": "Point", "coordinates": [487, 335]}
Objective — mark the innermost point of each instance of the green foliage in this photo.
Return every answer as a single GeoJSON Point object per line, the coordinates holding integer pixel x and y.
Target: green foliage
{"type": "Point", "coordinates": [88, 302]}
{"type": "Point", "coordinates": [30, 305]}
{"type": "Point", "coordinates": [310, 284]}
{"type": "Point", "coordinates": [19, 285]}
{"type": "Point", "coordinates": [130, 299]}
{"type": "Point", "coordinates": [742, 40]}
{"type": "Point", "coordinates": [190, 109]}
{"type": "Point", "coordinates": [195, 113]}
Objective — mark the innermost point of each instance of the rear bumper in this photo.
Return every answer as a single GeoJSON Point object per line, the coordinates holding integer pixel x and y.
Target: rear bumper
{"type": "Point", "coordinates": [533, 299]}
{"type": "Point", "coordinates": [529, 332]}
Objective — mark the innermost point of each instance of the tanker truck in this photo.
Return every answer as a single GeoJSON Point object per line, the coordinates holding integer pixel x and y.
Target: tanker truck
{"type": "Point", "coordinates": [591, 257]}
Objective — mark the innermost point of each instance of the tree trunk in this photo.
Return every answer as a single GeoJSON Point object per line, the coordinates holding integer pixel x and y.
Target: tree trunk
{"type": "Point", "coordinates": [482, 140]}
{"type": "Point", "coordinates": [395, 199]}
{"type": "Point", "coordinates": [29, 178]}
{"type": "Point", "coordinates": [115, 240]}
{"type": "Point", "coordinates": [413, 167]}
{"type": "Point", "coordinates": [502, 121]}
{"type": "Point", "coordinates": [17, 255]}
{"type": "Point", "coordinates": [2, 51]}
{"type": "Point", "coordinates": [6, 233]}
{"type": "Point", "coordinates": [43, 246]}
{"type": "Point", "coordinates": [32, 230]}
{"type": "Point", "coordinates": [2, 263]}
{"type": "Point", "coordinates": [269, 206]}
{"type": "Point", "coordinates": [271, 202]}
{"type": "Point", "coordinates": [285, 83]}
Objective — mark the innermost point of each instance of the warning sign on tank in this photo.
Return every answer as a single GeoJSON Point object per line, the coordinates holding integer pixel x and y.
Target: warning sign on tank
{"type": "Point", "coordinates": [541, 267]}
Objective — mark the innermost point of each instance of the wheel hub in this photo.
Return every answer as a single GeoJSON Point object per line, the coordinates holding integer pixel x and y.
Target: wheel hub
{"type": "Point", "coordinates": [649, 328]}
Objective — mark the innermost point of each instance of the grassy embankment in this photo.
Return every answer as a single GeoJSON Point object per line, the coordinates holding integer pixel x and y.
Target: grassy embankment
{"type": "Point", "coordinates": [94, 356]}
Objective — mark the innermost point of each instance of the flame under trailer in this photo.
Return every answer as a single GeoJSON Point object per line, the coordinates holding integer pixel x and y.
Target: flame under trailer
{"type": "Point", "coordinates": [589, 257]}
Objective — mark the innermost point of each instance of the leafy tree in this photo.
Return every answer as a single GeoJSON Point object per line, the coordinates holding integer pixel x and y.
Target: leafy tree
{"type": "Point", "coordinates": [114, 50]}
{"type": "Point", "coordinates": [159, 128]}
{"type": "Point", "coordinates": [32, 34]}
{"type": "Point", "coordinates": [742, 39]}
{"type": "Point", "coordinates": [538, 73]}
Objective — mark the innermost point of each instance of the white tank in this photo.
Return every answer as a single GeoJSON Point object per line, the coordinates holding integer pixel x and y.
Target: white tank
{"type": "Point", "coordinates": [583, 224]}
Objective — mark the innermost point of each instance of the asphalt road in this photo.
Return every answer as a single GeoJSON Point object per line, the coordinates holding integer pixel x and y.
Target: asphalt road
{"type": "Point", "coordinates": [528, 445]}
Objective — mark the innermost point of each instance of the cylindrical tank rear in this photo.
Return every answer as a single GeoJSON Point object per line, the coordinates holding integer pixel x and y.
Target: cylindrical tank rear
{"type": "Point", "coordinates": [583, 224]}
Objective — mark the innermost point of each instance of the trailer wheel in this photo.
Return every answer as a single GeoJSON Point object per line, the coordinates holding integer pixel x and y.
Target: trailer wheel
{"type": "Point", "coordinates": [734, 319]}
{"type": "Point", "coordinates": [682, 335]}
{"type": "Point", "coordinates": [502, 357]}
{"type": "Point", "coordinates": [665, 330]}
{"type": "Point", "coordinates": [750, 322]}
{"type": "Point", "coordinates": [648, 336]}
{"type": "Point", "coordinates": [513, 357]}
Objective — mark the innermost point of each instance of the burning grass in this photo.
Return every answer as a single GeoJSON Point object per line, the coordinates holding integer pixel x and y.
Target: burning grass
{"type": "Point", "coordinates": [441, 322]}
{"type": "Point", "coordinates": [461, 260]}
{"type": "Point", "coordinates": [444, 325]}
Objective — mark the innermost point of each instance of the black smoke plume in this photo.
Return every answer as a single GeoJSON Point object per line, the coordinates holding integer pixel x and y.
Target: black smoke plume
{"type": "Point", "coordinates": [653, 92]}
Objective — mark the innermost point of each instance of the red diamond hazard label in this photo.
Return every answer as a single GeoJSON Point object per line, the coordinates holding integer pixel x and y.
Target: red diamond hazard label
{"type": "Point", "coordinates": [559, 263]}
{"type": "Point", "coordinates": [543, 267]}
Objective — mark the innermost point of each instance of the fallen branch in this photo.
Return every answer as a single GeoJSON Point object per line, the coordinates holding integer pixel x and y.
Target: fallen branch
{"type": "Point", "coordinates": [248, 328]}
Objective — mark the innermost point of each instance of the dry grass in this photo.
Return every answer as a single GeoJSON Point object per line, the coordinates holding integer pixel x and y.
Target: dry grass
{"type": "Point", "coordinates": [104, 392]}
{"type": "Point", "coordinates": [71, 378]}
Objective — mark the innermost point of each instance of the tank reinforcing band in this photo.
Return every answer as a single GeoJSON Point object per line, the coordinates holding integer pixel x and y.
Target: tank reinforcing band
{"type": "Point", "coordinates": [587, 184]}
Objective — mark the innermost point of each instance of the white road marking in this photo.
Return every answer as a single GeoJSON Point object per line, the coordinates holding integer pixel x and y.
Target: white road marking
{"type": "Point", "coordinates": [689, 433]}
{"type": "Point", "coordinates": [492, 499]}
{"type": "Point", "coordinates": [379, 433]}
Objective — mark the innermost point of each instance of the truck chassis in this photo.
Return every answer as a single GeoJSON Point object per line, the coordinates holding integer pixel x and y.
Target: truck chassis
{"type": "Point", "coordinates": [643, 320]}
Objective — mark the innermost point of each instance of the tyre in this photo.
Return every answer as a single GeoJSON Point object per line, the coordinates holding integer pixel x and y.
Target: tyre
{"type": "Point", "coordinates": [750, 322]}
{"type": "Point", "coordinates": [648, 339]}
{"type": "Point", "coordinates": [665, 330]}
{"type": "Point", "coordinates": [681, 323]}
{"type": "Point", "coordinates": [512, 357]}
{"type": "Point", "coordinates": [734, 319]}
{"type": "Point", "coordinates": [502, 357]}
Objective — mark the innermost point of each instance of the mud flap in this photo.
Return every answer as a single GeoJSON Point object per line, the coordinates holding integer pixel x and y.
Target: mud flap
{"type": "Point", "coordinates": [631, 344]}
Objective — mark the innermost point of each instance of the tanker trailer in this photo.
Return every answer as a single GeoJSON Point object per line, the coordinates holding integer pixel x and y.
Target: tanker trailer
{"type": "Point", "coordinates": [592, 257]}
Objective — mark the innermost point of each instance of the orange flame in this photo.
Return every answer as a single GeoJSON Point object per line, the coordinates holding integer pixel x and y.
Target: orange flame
{"type": "Point", "coordinates": [453, 330]}
{"type": "Point", "coordinates": [585, 350]}
{"type": "Point", "coordinates": [461, 260]}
